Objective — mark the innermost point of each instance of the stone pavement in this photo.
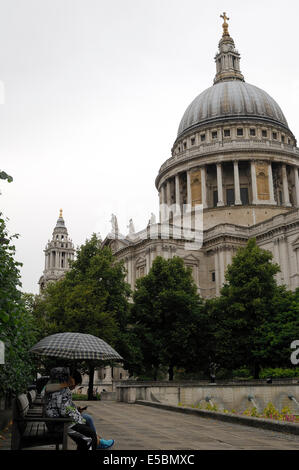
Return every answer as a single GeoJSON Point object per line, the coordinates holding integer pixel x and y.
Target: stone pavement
{"type": "Point", "coordinates": [137, 427]}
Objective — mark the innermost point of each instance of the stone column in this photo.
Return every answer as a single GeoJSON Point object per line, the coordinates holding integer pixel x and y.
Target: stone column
{"type": "Point", "coordinates": [219, 185]}
{"type": "Point", "coordinates": [148, 260]}
{"type": "Point", "coordinates": [271, 186]}
{"type": "Point", "coordinates": [189, 202]}
{"type": "Point", "coordinates": [133, 272]}
{"type": "Point", "coordinates": [253, 182]}
{"type": "Point", "coordinates": [203, 187]}
{"type": "Point", "coordinates": [163, 211]}
{"type": "Point", "coordinates": [296, 178]}
{"type": "Point", "coordinates": [228, 259]}
{"type": "Point", "coordinates": [285, 185]}
{"type": "Point", "coordinates": [168, 195]}
{"type": "Point", "coordinates": [297, 260]}
{"type": "Point", "coordinates": [283, 255]}
{"type": "Point", "coordinates": [221, 267]}
{"type": "Point", "coordinates": [238, 201]}
{"type": "Point", "coordinates": [160, 204]}
{"type": "Point", "coordinates": [217, 277]}
{"type": "Point", "coordinates": [177, 193]}
{"type": "Point", "coordinates": [276, 259]}
{"type": "Point", "coordinates": [152, 256]}
{"type": "Point", "coordinates": [129, 270]}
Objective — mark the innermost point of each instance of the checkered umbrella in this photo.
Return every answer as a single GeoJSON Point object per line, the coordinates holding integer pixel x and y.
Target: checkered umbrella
{"type": "Point", "coordinates": [75, 346]}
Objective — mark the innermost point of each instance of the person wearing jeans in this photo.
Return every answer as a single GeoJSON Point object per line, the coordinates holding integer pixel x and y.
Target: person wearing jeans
{"type": "Point", "coordinates": [59, 403]}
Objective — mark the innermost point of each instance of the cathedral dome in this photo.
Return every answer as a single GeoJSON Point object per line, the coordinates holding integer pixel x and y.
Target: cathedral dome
{"type": "Point", "coordinates": [231, 99]}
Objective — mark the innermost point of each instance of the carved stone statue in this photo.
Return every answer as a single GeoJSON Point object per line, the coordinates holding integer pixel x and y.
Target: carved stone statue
{"type": "Point", "coordinates": [152, 219]}
{"type": "Point", "coordinates": [114, 225]}
{"type": "Point", "coordinates": [131, 227]}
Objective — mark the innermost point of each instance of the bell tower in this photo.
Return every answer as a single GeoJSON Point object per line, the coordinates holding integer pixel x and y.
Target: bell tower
{"type": "Point", "coordinates": [58, 253]}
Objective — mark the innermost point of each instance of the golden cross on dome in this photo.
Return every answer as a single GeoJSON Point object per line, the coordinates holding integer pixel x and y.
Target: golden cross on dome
{"type": "Point", "coordinates": [225, 24]}
{"type": "Point", "coordinates": [60, 214]}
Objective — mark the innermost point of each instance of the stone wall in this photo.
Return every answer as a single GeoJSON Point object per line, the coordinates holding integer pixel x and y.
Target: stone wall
{"type": "Point", "coordinates": [224, 396]}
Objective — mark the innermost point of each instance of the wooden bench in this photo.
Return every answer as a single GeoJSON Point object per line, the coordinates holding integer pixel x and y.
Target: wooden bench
{"type": "Point", "coordinates": [31, 395]}
{"type": "Point", "coordinates": [35, 399]}
{"type": "Point", "coordinates": [30, 429]}
{"type": "Point", "coordinates": [36, 405]}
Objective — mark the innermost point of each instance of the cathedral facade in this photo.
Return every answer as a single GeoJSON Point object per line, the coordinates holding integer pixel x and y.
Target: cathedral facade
{"type": "Point", "coordinates": [236, 158]}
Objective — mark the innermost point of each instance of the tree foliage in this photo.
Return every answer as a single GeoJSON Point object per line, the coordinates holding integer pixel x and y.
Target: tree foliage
{"type": "Point", "coordinates": [165, 315]}
{"type": "Point", "coordinates": [255, 320]}
{"type": "Point", "coordinates": [17, 325]}
{"type": "Point", "coordinates": [92, 298]}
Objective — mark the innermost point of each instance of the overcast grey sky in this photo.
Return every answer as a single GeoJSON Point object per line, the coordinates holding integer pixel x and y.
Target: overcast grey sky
{"type": "Point", "coordinates": [94, 93]}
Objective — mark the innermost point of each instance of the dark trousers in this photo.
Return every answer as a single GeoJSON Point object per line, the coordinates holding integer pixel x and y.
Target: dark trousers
{"type": "Point", "coordinates": [84, 436]}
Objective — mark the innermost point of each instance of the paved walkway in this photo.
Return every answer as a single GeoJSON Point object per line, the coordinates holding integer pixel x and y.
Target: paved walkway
{"type": "Point", "coordinates": [137, 427]}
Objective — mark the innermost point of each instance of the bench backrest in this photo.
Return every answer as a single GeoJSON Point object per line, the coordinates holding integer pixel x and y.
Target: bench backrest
{"type": "Point", "coordinates": [22, 403]}
{"type": "Point", "coordinates": [31, 395]}
{"type": "Point", "coordinates": [20, 410]}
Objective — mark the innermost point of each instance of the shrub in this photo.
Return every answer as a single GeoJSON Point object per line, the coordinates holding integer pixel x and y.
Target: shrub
{"type": "Point", "coordinates": [242, 373]}
{"type": "Point", "coordinates": [271, 412]}
{"type": "Point", "coordinates": [251, 412]}
{"type": "Point", "coordinates": [279, 373]}
{"type": "Point", "coordinates": [210, 407]}
{"type": "Point", "coordinates": [82, 397]}
{"type": "Point", "coordinates": [79, 396]}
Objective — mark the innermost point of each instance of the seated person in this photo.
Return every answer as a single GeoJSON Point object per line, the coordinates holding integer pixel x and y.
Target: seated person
{"type": "Point", "coordinates": [59, 403]}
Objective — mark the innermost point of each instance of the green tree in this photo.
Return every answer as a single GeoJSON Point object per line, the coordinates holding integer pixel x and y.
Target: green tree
{"type": "Point", "coordinates": [246, 308]}
{"type": "Point", "coordinates": [92, 298]}
{"type": "Point", "coordinates": [281, 329]}
{"type": "Point", "coordinates": [165, 316]}
{"type": "Point", "coordinates": [17, 325]}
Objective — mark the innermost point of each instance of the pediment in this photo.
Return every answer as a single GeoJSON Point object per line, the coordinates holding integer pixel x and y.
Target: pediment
{"type": "Point", "coordinates": [115, 245]}
{"type": "Point", "coordinates": [191, 259]}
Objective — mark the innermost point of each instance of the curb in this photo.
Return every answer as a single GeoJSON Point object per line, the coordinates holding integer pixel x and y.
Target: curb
{"type": "Point", "coordinates": [261, 423]}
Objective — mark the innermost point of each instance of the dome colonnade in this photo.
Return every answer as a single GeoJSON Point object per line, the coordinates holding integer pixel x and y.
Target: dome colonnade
{"type": "Point", "coordinates": [231, 171]}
